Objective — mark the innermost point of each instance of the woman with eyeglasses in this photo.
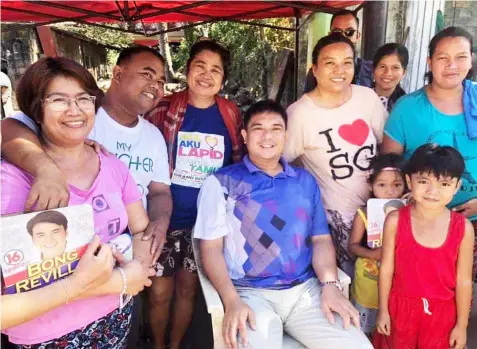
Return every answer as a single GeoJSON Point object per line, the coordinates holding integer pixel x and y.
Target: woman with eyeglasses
{"type": "Point", "coordinates": [62, 97]}
{"type": "Point", "coordinates": [202, 132]}
{"type": "Point", "coordinates": [334, 131]}
{"type": "Point", "coordinates": [390, 64]}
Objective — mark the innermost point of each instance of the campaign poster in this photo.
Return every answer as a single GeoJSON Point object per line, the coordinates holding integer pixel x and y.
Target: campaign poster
{"type": "Point", "coordinates": [198, 155]}
{"type": "Point", "coordinates": [42, 247]}
{"type": "Point", "coordinates": [377, 210]}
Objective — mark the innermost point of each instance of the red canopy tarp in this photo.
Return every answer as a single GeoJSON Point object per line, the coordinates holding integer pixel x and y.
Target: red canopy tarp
{"type": "Point", "coordinates": [105, 11]}
{"type": "Point", "coordinates": [102, 12]}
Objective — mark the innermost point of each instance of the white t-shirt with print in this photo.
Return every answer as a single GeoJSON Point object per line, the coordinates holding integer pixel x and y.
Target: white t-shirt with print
{"type": "Point", "coordinates": [142, 147]}
{"type": "Point", "coordinates": [336, 145]}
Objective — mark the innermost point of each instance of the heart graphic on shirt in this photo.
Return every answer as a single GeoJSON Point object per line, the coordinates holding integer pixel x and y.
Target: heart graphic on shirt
{"type": "Point", "coordinates": [356, 133]}
{"type": "Point", "coordinates": [211, 141]}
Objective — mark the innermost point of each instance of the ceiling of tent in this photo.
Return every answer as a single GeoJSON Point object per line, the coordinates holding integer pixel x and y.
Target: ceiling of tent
{"type": "Point", "coordinates": [130, 13]}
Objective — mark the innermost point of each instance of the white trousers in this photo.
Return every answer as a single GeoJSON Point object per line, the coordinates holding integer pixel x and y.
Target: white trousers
{"type": "Point", "coordinates": [297, 311]}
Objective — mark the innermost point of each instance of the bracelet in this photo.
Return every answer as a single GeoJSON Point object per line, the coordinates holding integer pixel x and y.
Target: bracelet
{"type": "Point", "coordinates": [65, 285]}
{"type": "Point", "coordinates": [125, 286]}
{"type": "Point", "coordinates": [336, 283]}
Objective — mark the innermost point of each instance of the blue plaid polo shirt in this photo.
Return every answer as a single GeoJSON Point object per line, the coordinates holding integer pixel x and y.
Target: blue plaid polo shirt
{"type": "Point", "coordinates": [267, 223]}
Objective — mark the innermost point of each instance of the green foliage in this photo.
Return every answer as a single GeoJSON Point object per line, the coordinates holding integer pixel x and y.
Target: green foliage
{"type": "Point", "coordinates": [279, 39]}
{"type": "Point", "coordinates": [179, 58]}
{"type": "Point", "coordinates": [252, 49]}
{"type": "Point", "coordinates": [102, 35]}
{"type": "Point", "coordinates": [112, 57]}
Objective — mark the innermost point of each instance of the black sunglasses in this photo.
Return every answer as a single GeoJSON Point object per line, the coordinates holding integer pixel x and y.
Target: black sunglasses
{"type": "Point", "coordinates": [348, 32]}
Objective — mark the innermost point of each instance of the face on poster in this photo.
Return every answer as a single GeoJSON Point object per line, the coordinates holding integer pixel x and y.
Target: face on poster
{"type": "Point", "coordinates": [377, 210]}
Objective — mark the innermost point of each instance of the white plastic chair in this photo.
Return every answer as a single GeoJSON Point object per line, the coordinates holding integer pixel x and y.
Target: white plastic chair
{"type": "Point", "coordinates": [216, 309]}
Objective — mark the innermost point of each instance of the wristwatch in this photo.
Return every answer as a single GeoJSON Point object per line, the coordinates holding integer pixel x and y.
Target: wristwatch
{"type": "Point", "coordinates": [336, 283]}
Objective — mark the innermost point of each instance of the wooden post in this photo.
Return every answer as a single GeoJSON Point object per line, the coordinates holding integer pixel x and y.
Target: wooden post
{"type": "Point", "coordinates": [284, 67]}
{"type": "Point", "coordinates": [374, 27]}
{"type": "Point", "coordinates": [46, 41]}
{"type": "Point", "coordinates": [297, 53]}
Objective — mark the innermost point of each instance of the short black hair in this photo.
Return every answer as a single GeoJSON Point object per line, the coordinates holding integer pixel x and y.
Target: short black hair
{"type": "Point", "coordinates": [397, 204]}
{"type": "Point", "coordinates": [390, 49]}
{"type": "Point", "coordinates": [264, 106]}
{"type": "Point", "coordinates": [450, 32]}
{"type": "Point", "coordinates": [345, 13]}
{"type": "Point", "coordinates": [331, 39]}
{"type": "Point", "coordinates": [213, 46]}
{"type": "Point", "coordinates": [383, 161]}
{"type": "Point", "coordinates": [441, 161]}
{"type": "Point", "coordinates": [128, 53]}
{"type": "Point", "coordinates": [54, 217]}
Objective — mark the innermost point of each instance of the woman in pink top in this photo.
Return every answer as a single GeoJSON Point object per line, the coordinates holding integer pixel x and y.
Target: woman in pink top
{"type": "Point", "coordinates": [62, 98]}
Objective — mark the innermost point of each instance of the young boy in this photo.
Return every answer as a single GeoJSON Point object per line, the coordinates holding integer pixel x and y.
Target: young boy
{"type": "Point", "coordinates": [425, 280]}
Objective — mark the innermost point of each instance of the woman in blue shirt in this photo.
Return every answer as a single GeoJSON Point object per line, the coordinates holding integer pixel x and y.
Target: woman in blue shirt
{"type": "Point", "coordinates": [435, 113]}
{"type": "Point", "coordinates": [202, 133]}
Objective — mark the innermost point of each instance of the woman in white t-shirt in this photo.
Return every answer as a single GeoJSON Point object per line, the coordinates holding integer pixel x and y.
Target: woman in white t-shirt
{"type": "Point", "coordinates": [334, 131]}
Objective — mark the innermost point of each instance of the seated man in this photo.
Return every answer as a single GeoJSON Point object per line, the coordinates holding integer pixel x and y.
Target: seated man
{"type": "Point", "coordinates": [264, 242]}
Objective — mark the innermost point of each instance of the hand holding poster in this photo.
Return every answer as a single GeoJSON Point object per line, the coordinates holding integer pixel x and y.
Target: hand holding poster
{"type": "Point", "coordinates": [377, 210]}
{"type": "Point", "coordinates": [42, 247]}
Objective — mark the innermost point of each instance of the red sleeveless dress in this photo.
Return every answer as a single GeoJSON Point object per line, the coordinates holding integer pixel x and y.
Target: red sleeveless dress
{"type": "Point", "coordinates": [422, 299]}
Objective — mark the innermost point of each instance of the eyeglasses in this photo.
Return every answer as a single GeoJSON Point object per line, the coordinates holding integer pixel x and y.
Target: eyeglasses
{"type": "Point", "coordinates": [348, 32]}
{"type": "Point", "coordinates": [62, 104]}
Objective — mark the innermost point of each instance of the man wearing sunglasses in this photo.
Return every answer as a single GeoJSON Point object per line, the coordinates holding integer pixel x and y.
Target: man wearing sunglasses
{"type": "Point", "coordinates": [347, 23]}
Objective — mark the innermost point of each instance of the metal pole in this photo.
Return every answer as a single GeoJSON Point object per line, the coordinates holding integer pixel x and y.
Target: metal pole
{"type": "Point", "coordinates": [305, 6]}
{"type": "Point", "coordinates": [32, 25]}
{"type": "Point", "coordinates": [164, 11]}
{"type": "Point", "coordinates": [310, 16]}
{"type": "Point", "coordinates": [75, 9]}
{"type": "Point", "coordinates": [238, 15]}
{"type": "Point", "coordinates": [297, 54]}
{"type": "Point", "coordinates": [61, 19]}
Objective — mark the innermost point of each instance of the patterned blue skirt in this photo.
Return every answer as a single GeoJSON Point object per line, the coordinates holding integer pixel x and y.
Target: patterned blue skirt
{"type": "Point", "coordinates": [108, 332]}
